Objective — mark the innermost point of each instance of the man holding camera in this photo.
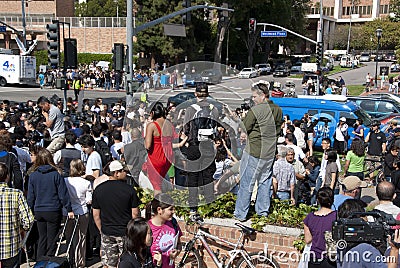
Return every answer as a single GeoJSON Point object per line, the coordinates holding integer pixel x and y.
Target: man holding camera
{"type": "Point", "coordinates": [54, 120]}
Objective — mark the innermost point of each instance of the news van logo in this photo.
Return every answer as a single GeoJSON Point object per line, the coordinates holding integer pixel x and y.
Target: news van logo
{"type": "Point", "coordinates": [8, 67]}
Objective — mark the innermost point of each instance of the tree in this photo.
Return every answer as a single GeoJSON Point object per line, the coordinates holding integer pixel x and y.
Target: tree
{"type": "Point", "coordinates": [395, 8]}
{"type": "Point", "coordinates": [100, 8]}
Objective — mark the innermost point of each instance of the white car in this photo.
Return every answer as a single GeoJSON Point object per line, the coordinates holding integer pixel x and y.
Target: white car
{"type": "Point", "coordinates": [248, 73]}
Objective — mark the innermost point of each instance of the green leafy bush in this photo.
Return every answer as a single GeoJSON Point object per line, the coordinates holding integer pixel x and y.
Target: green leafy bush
{"type": "Point", "coordinates": [283, 214]}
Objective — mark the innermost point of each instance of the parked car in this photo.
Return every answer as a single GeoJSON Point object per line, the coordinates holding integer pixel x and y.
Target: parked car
{"type": "Point", "coordinates": [395, 67]}
{"type": "Point", "coordinates": [390, 56]}
{"type": "Point", "coordinates": [347, 61]}
{"type": "Point", "coordinates": [248, 73]}
{"type": "Point", "coordinates": [185, 99]}
{"type": "Point", "coordinates": [263, 68]}
{"type": "Point", "coordinates": [192, 79]}
{"type": "Point", "coordinates": [376, 106]}
{"type": "Point", "coordinates": [378, 57]}
{"type": "Point", "coordinates": [211, 76]}
{"type": "Point", "coordinates": [281, 71]}
{"type": "Point", "coordinates": [365, 57]}
{"type": "Point", "coordinates": [296, 69]}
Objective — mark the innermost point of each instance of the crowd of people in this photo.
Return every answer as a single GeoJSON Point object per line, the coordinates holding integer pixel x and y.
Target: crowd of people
{"type": "Point", "coordinates": [83, 165]}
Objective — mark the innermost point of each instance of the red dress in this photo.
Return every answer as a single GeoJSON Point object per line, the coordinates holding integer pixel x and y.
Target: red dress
{"type": "Point", "coordinates": [159, 158]}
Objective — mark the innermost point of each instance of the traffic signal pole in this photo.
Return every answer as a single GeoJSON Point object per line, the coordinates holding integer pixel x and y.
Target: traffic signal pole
{"type": "Point", "coordinates": [133, 31]}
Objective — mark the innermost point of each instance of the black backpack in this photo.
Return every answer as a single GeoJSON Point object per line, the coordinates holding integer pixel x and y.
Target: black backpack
{"type": "Point", "coordinates": [102, 148]}
{"type": "Point", "coordinates": [203, 124]}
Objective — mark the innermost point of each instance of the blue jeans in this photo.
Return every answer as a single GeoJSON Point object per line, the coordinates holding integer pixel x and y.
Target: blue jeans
{"type": "Point", "coordinates": [253, 169]}
{"type": "Point", "coordinates": [283, 195]}
{"type": "Point", "coordinates": [107, 85]}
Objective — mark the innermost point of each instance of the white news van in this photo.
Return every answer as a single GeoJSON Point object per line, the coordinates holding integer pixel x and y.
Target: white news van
{"type": "Point", "coordinates": [17, 69]}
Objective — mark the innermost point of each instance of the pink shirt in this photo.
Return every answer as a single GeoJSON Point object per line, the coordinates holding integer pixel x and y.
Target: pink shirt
{"type": "Point", "coordinates": [163, 241]}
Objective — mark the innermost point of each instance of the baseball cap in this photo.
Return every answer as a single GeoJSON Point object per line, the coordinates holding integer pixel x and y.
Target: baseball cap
{"type": "Point", "coordinates": [116, 165]}
{"type": "Point", "coordinates": [281, 140]}
{"type": "Point", "coordinates": [343, 119]}
{"type": "Point", "coordinates": [353, 182]}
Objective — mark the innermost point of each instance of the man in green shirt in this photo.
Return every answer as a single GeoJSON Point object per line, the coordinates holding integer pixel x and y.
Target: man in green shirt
{"type": "Point", "coordinates": [262, 124]}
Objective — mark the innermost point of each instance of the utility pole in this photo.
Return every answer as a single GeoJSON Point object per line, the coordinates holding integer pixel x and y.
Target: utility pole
{"type": "Point", "coordinates": [321, 42]}
{"type": "Point", "coordinates": [23, 23]}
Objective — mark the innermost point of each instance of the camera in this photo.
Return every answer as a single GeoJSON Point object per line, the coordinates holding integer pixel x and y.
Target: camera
{"type": "Point", "coordinates": [245, 106]}
{"type": "Point", "coordinates": [355, 230]}
{"type": "Point", "coordinates": [37, 116]}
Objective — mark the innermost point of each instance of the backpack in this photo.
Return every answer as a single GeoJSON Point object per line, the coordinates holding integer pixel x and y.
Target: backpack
{"type": "Point", "coordinates": [102, 148]}
{"type": "Point", "coordinates": [203, 123]}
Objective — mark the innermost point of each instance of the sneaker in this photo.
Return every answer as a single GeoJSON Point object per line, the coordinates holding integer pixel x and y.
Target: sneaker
{"type": "Point", "coordinates": [237, 219]}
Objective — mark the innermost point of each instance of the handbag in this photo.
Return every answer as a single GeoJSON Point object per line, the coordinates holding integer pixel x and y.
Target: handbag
{"type": "Point", "coordinates": [331, 245]}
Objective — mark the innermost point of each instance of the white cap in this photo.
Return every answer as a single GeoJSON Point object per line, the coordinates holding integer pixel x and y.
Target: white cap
{"type": "Point", "coordinates": [342, 119]}
{"type": "Point", "coordinates": [116, 165]}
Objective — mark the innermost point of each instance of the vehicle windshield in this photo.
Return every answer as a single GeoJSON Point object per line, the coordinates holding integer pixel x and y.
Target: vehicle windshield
{"type": "Point", "coordinates": [360, 113]}
{"type": "Point", "coordinates": [365, 55]}
{"type": "Point", "coordinates": [246, 70]}
{"type": "Point", "coordinates": [207, 73]}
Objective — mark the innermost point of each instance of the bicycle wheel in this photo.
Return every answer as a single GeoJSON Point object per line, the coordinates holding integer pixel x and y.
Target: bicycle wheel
{"type": "Point", "coordinates": [191, 259]}
{"type": "Point", "coordinates": [258, 260]}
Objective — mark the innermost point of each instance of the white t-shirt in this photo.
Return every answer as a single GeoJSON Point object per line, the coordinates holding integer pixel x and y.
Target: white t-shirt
{"type": "Point", "coordinates": [114, 150]}
{"type": "Point", "coordinates": [80, 194]}
{"type": "Point", "coordinates": [93, 163]}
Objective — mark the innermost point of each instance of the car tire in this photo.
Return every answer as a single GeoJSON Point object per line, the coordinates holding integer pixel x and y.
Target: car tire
{"type": "Point", "coordinates": [3, 82]}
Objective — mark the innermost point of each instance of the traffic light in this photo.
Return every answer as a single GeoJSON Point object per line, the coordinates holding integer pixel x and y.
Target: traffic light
{"type": "Point", "coordinates": [187, 17]}
{"type": "Point", "coordinates": [118, 57]}
{"type": "Point", "coordinates": [318, 55]}
{"type": "Point", "coordinates": [53, 45]}
{"type": "Point", "coordinates": [252, 25]}
{"type": "Point", "coordinates": [70, 53]}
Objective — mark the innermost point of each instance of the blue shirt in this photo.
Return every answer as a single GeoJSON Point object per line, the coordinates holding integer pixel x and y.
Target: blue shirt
{"type": "Point", "coordinates": [339, 199]}
{"type": "Point", "coordinates": [361, 256]}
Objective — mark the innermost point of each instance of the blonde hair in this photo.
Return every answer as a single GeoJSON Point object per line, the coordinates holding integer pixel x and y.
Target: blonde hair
{"type": "Point", "coordinates": [77, 168]}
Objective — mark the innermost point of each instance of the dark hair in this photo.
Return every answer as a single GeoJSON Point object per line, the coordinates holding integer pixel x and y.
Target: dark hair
{"type": "Point", "coordinates": [314, 160]}
{"type": "Point", "coordinates": [360, 120]}
{"type": "Point", "coordinates": [385, 191]}
{"type": "Point", "coordinates": [221, 154]}
{"type": "Point", "coordinates": [117, 135]}
{"type": "Point", "coordinates": [96, 130]}
{"type": "Point", "coordinates": [291, 128]}
{"type": "Point", "coordinates": [328, 140]}
{"type": "Point", "coordinates": [350, 206]}
{"type": "Point", "coordinates": [161, 200]}
{"type": "Point", "coordinates": [296, 123]}
{"type": "Point", "coordinates": [157, 110]}
{"type": "Point", "coordinates": [289, 137]}
{"type": "Point", "coordinates": [42, 100]}
{"type": "Point", "coordinates": [3, 172]}
{"type": "Point", "coordinates": [332, 155]}
{"type": "Point", "coordinates": [86, 141]}
{"type": "Point", "coordinates": [325, 197]}
{"type": "Point", "coordinates": [135, 239]}
{"type": "Point", "coordinates": [70, 137]}
{"type": "Point", "coordinates": [357, 146]}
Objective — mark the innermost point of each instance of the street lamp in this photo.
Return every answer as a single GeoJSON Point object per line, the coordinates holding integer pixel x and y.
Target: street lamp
{"type": "Point", "coordinates": [116, 2]}
{"type": "Point", "coordinates": [378, 35]}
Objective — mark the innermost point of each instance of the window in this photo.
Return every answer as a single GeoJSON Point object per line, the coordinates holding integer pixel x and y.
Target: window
{"type": "Point", "coordinates": [386, 107]}
{"type": "Point", "coordinates": [364, 10]}
{"type": "Point", "coordinates": [367, 105]}
{"type": "Point", "coordinates": [369, 10]}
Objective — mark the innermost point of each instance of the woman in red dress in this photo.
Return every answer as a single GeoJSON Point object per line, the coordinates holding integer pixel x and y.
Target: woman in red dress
{"type": "Point", "coordinates": [158, 142]}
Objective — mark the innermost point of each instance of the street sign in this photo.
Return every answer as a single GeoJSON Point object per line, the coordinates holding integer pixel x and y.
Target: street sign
{"type": "Point", "coordinates": [3, 29]}
{"type": "Point", "coordinates": [273, 34]}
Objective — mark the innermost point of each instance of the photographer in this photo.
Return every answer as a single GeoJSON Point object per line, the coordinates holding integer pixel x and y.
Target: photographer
{"type": "Point", "coordinates": [55, 123]}
{"type": "Point", "coordinates": [356, 255]}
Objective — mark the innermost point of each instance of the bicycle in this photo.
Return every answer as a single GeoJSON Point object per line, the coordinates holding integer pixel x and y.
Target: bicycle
{"type": "Point", "coordinates": [192, 258]}
{"type": "Point", "coordinates": [377, 165]}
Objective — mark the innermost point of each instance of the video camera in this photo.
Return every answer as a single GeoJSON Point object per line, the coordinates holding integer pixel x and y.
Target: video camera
{"type": "Point", "coordinates": [356, 230]}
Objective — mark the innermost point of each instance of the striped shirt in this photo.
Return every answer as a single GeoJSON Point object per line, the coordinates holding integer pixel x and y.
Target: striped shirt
{"type": "Point", "coordinates": [14, 213]}
{"type": "Point", "coordinates": [284, 174]}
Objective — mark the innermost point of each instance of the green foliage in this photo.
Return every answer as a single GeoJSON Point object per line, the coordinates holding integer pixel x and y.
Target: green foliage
{"type": "Point", "coordinates": [144, 195]}
{"type": "Point", "coordinates": [395, 8]}
{"type": "Point", "coordinates": [299, 243]}
{"type": "Point", "coordinates": [283, 214]}
{"type": "Point", "coordinates": [363, 36]}
{"type": "Point", "coordinates": [100, 8]}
